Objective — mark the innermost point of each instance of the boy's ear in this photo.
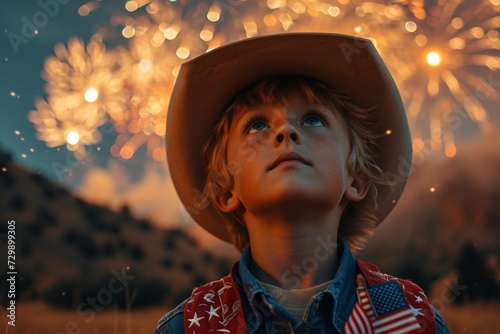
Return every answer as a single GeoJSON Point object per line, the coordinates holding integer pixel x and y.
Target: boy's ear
{"type": "Point", "coordinates": [358, 188]}
{"type": "Point", "coordinates": [227, 202]}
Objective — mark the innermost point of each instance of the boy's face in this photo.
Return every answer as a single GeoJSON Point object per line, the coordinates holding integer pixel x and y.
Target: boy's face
{"type": "Point", "coordinates": [288, 157]}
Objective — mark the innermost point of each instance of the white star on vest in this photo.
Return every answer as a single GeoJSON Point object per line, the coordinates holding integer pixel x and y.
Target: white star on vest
{"type": "Point", "coordinates": [212, 312]}
{"type": "Point", "coordinates": [195, 320]}
{"type": "Point", "coordinates": [416, 311]}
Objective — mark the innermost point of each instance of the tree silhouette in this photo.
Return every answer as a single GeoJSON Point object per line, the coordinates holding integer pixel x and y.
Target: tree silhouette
{"type": "Point", "coordinates": [135, 252]}
{"type": "Point", "coordinates": [17, 203]}
{"type": "Point", "coordinates": [46, 217]}
{"type": "Point", "coordinates": [411, 271]}
{"type": "Point", "coordinates": [476, 276]}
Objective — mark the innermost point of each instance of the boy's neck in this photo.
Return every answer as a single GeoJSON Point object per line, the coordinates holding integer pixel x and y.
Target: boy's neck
{"type": "Point", "coordinates": [294, 255]}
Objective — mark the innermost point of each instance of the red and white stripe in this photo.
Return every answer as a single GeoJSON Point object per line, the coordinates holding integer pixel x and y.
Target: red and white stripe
{"type": "Point", "coordinates": [359, 321]}
{"type": "Point", "coordinates": [399, 322]}
{"type": "Point", "coordinates": [363, 321]}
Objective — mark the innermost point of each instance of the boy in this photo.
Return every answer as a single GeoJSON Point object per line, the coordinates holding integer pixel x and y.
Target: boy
{"type": "Point", "coordinates": [290, 147]}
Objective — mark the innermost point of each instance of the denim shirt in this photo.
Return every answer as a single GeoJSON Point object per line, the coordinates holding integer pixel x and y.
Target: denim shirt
{"type": "Point", "coordinates": [327, 311]}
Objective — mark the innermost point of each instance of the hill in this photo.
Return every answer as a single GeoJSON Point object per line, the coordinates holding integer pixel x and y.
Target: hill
{"type": "Point", "coordinates": [448, 205]}
{"type": "Point", "coordinates": [68, 250]}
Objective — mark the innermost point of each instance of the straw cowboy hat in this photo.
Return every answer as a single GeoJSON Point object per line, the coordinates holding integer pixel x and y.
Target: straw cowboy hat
{"type": "Point", "coordinates": [207, 84]}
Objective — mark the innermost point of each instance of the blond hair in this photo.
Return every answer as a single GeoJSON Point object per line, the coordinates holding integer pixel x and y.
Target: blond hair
{"type": "Point", "coordinates": [358, 220]}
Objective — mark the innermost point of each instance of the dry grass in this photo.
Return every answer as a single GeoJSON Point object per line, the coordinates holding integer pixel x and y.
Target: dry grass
{"type": "Point", "coordinates": [38, 318]}
{"type": "Point", "coordinates": [473, 318]}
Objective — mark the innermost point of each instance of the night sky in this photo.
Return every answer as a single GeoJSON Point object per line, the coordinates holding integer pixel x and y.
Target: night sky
{"type": "Point", "coordinates": [22, 56]}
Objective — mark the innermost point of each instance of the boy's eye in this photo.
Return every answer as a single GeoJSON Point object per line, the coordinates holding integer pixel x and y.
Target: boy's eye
{"type": "Point", "coordinates": [258, 126]}
{"type": "Point", "coordinates": [256, 123]}
{"type": "Point", "coordinates": [314, 119]}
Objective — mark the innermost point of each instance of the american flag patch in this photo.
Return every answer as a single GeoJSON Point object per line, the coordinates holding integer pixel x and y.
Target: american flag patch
{"type": "Point", "coordinates": [381, 309]}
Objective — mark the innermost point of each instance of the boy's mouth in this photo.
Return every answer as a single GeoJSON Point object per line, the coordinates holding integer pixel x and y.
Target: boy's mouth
{"type": "Point", "coordinates": [288, 156]}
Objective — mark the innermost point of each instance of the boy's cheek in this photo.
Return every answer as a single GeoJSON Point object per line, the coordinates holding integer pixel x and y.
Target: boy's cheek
{"type": "Point", "coordinates": [252, 145]}
{"type": "Point", "coordinates": [246, 150]}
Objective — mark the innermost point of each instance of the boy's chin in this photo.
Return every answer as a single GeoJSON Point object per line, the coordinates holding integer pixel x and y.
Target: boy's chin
{"type": "Point", "coordinates": [296, 203]}
{"type": "Point", "coordinates": [305, 193]}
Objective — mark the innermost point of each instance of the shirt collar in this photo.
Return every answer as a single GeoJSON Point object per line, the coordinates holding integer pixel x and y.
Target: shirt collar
{"type": "Point", "coordinates": [342, 289]}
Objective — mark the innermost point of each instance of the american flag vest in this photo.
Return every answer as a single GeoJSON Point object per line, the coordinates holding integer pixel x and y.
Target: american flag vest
{"type": "Point", "coordinates": [386, 304]}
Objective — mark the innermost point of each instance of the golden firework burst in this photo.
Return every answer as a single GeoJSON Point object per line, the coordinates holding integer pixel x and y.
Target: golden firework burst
{"type": "Point", "coordinates": [439, 55]}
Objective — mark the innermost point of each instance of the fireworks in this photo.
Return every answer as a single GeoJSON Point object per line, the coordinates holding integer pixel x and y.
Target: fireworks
{"type": "Point", "coordinates": [442, 57]}
{"type": "Point", "coordinates": [147, 88]}
{"type": "Point", "coordinates": [81, 86]}
{"type": "Point", "coordinates": [432, 52]}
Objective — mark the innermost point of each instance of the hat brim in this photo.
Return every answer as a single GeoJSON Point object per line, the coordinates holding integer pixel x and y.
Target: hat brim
{"type": "Point", "coordinates": [207, 84]}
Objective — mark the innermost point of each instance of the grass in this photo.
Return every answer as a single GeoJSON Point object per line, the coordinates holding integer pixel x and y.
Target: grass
{"type": "Point", "coordinates": [473, 318]}
{"type": "Point", "coordinates": [38, 318]}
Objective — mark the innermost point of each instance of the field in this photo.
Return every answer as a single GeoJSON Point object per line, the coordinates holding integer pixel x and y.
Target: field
{"type": "Point", "coordinates": [38, 318]}
{"type": "Point", "coordinates": [473, 318]}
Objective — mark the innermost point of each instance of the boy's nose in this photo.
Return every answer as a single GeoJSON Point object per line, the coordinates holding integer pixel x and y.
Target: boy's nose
{"type": "Point", "coordinates": [287, 132]}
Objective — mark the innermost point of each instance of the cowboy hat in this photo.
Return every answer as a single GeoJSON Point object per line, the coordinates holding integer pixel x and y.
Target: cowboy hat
{"type": "Point", "coordinates": [207, 84]}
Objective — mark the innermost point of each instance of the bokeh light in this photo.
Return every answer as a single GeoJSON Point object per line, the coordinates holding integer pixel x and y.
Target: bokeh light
{"type": "Point", "coordinates": [433, 58]}
{"type": "Point", "coordinates": [73, 138]}
{"type": "Point", "coordinates": [434, 52]}
{"type": "Point", "coordinates": [441, 58]}
{"type": "Point", "coordinates": [91, 95]}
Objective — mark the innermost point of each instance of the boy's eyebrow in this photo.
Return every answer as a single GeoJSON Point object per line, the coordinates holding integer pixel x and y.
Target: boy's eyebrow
{"type": "Point", "coordinates": [242, 117]}
{"type": "Point", "coordinates": [237, 118]}
{"type": "Point", "coordinates": [239, 115]}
